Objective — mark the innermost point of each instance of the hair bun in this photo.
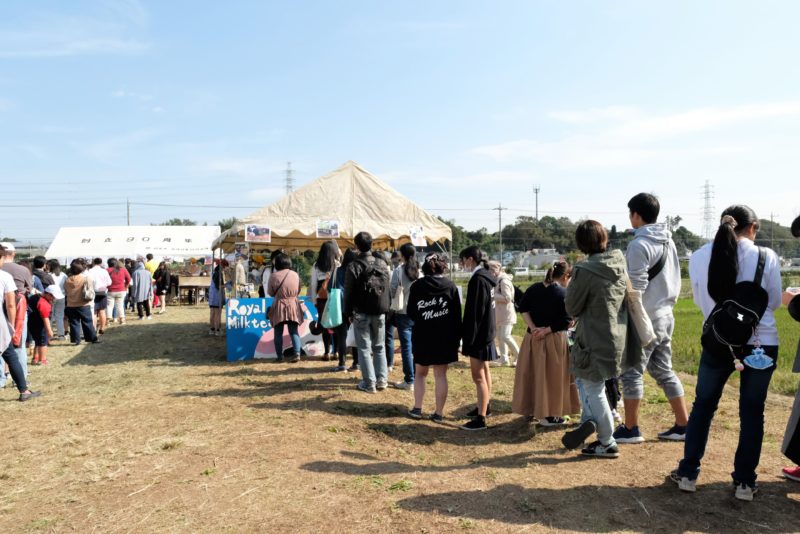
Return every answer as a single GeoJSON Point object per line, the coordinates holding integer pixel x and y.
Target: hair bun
{"type": "Point", "coordinates": [729, 220]}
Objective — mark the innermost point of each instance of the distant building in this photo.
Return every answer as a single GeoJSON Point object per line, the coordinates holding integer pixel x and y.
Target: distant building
{"type": "Point", "coordinates": [537, 257]}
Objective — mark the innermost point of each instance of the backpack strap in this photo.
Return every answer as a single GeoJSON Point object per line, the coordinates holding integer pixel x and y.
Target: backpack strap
{"type": "Point", "coordinates": [762, 260]}
{"type": "Point", "coordinates": [656, 269]}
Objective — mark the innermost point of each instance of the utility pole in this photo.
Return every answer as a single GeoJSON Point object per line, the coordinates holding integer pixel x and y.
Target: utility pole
{"type": "Point", "coordinates": [128, 201]}
{"type": "Point", "coordinates": [771, 230]}
{"type": "Point", "coordinates": [289, 178]}
{"type": "Point", "coordinates": [500, 209]}
{"type": "Point", "coordinates": [536, 189]}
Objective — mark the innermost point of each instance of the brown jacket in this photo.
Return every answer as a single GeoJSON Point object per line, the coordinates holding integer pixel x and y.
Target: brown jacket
{"type": "Point", "coordinates": [73, 288]}
{"type": "Point", "coordinates": [285, 287]}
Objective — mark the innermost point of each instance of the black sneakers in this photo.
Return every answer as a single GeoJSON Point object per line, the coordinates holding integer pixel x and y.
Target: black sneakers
{"type": "Point", "coordinates": [415, 413]}
{"type": "Point", "coordinates": [474, 412]}
{"type": "Point", "coordinates": [477, 423]}
{"type": "Point", "coordinates": [574, 438]}
{"type": "Point", "coordinates": [598, 450]}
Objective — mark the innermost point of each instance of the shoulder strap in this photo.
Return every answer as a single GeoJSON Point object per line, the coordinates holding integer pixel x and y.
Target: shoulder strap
{"type": "Point", "coordinates": [656, 269]}
{"type": "Point", "coordinates": [762, 260]}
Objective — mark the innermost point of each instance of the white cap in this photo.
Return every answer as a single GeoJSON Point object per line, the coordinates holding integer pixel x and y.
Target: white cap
{"type": "Point", "coordinates": [8, 246]}
{"type": "Point", "coordinates": [55, 291]}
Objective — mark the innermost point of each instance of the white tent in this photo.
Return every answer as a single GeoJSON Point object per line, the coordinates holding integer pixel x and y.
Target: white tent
{"type": "Point", "coordinates": [354, 200]}
{"type": "Point", "coordinates": [130, 241]}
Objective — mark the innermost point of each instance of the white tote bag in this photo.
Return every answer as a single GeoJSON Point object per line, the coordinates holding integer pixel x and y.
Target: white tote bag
{"type": "Point", "coordinates": [644, 327]}
{"type": "Point", "coordinates": [351, 337]}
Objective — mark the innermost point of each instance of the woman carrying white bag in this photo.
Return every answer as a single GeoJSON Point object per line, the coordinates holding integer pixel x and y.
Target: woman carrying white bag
{"type": "Point", "coordinates": [343, 338]}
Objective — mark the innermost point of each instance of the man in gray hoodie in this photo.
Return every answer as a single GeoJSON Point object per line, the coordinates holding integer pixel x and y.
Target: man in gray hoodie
{"type": "Point", "coordinates": [654, 270]}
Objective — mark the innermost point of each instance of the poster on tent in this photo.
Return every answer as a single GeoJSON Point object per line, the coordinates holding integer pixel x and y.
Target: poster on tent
{"type": "Point", "coordinates": [250, 335]}
{"type": "Point", "coordinates": [254, 233]}
{"type": "Point", "coordinates": [417, 236]}
{"type": "Point", "coordinates": [327, 229]}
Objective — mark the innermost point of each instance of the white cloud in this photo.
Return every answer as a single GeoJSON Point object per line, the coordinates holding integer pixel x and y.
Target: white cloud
{"type": "Point", "coordinates": [123, 93]}
{"type": "Point", "coordinates": [58, 35]}
{"type": "Point", "coordinates": [595, 114]}
{"type": "Point", "coordinates": [624, 136]}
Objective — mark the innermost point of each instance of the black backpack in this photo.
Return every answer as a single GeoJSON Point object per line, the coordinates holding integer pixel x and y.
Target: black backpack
{"type": "Point", "coordinates": [373, 285]}
{"type": "Point", "coordinates": [733, 321]}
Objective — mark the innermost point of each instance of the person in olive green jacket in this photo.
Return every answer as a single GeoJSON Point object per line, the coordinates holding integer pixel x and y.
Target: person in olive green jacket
{"type": "Point", "coordinates": [596, 298]}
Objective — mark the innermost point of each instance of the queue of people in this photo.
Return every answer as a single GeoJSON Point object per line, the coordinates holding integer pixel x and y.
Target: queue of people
{"type": "Point", "coordinates": [44, 302]}
{"type": "Point", "coordinates": [582, 333]}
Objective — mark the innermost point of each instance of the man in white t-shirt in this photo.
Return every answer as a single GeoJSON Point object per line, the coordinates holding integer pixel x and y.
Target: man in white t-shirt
{"type": "Point", "coordinates": [8, 316]}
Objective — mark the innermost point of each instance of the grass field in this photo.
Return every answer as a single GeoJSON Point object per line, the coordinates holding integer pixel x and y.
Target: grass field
{"type": "Point", "coordinates": [153, 431]}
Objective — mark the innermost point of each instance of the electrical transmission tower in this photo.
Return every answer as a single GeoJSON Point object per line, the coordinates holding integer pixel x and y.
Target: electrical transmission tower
{"type": "Point", "coordinates": [709, 225]}
{"type": "Point", "coordinates": [289, 178]}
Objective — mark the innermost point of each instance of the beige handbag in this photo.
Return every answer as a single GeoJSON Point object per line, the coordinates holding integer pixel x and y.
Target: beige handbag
{"type": "Point", "coordinates": [644, 327]}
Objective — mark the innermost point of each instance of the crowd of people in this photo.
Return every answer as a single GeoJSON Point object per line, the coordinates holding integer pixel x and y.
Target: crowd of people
{"type": "Point", "coordinates": [582, 340]}
{"type": "Point", "coordinates": [43, 302]}
{"type": "Point", "coordinates": [584, 335]}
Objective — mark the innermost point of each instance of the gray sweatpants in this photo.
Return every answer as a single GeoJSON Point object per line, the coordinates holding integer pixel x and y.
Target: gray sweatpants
{"type": "Point", "coordinates": [658, 362]}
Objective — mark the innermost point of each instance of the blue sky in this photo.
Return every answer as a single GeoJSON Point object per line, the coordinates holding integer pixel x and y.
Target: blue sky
{"type": "Point", "coordinates": [459, 105]}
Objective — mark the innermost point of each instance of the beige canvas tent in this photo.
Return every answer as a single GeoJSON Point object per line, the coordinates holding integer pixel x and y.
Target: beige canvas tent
{"type": "Point", "coordinates": [351, 197]}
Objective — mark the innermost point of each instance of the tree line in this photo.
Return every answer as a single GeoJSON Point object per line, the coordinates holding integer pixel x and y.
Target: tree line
{"type": "Point", "coordinates": [559, 233]}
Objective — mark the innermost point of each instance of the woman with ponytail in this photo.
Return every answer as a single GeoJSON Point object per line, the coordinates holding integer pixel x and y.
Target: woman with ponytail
{"type": "Point", "coordinates": [714, 270]}
{"type": "Point", "coordinates": [403, 276]}
{"type": "Point", "coordinates": [543, 386]}
{"type": "Point", "coordinates": [478, 331]}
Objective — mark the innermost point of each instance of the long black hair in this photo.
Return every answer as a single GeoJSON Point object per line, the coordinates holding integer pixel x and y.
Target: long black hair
{"type": "Point", "coordinates": [326, 259]}
{"type": "Point", "coordinates": [724, 264]}
{"type": "Point", "coordinates": [348, 257]}
{"type": "Point", "coordinates": [477, 255]}
{"type": "Point", "coordinates": [411, 266]}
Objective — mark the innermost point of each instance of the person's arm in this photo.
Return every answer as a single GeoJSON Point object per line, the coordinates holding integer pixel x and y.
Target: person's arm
{"type": "Point", "coordinates": [411, 305]}
{"type": "Point", "coordinates": [772, 271]}
{"type": "Point", "coordinates": [638, 259]}
{"type": "Point", "coordinates": [44, 309]}
{"type": "Point", "coordinates": [11, 307]}
{"type": "Point", "coordinates": [577, 293]}
{"type": "Point", "coordinates": [349, 288]}
{"type": "Point", "coordinates": [395, 281]}
{"type": "Point", "coordinates": [696, 278]}
{"type": "Point", "coordinates": [529, 321]}
{"type": "Point", "coordinates": [312, 285]}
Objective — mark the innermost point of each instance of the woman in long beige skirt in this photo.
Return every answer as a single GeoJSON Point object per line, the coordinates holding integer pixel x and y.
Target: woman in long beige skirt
{"type": "Point", "coordinates": [543, 386]}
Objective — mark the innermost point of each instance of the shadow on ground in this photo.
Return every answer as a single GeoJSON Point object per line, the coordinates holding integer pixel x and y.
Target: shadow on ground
{"type": "Point", "coordinates": [165, 343]}
{"type": "Point", "coordinates": [599, 508]}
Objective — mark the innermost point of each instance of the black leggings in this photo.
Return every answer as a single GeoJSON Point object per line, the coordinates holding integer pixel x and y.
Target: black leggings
{"type": "Point", "coordinates": [340, 342]}
{"type": "Point", "coordinates": [144, 305]}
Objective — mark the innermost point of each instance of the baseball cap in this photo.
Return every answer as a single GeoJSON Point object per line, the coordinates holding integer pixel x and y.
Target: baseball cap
{"type": "Point", "coordinates": [55, 291]}
{"type": "Point", "coordinates": [8, 246]}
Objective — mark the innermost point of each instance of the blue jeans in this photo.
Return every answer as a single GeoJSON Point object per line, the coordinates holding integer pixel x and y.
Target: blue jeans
{"type": "Point", "coordinates": [753, 385]}
{"type": "Point", "coordinates": [10, 356]}
{"type": "Point", "coordinates": [404, 324]}
{"type": "Point", "coordinates": [22, 351]}
{"type": "Point", "coordinates": [370, 338]}
{"type": "Point", "coordinates": [80, 318]}
{"type": "Point", "coordinates": [292, 334]}
{"type": "Point", "coordinates": [594, 407]}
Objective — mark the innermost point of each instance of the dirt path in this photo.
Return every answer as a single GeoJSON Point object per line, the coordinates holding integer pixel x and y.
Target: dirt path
{"type": "Point", "coordinates": [153, 431]}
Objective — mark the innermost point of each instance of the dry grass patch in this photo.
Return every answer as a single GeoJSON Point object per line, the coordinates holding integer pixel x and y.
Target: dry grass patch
{"type": "Point", "coordinates": [152, 431]}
